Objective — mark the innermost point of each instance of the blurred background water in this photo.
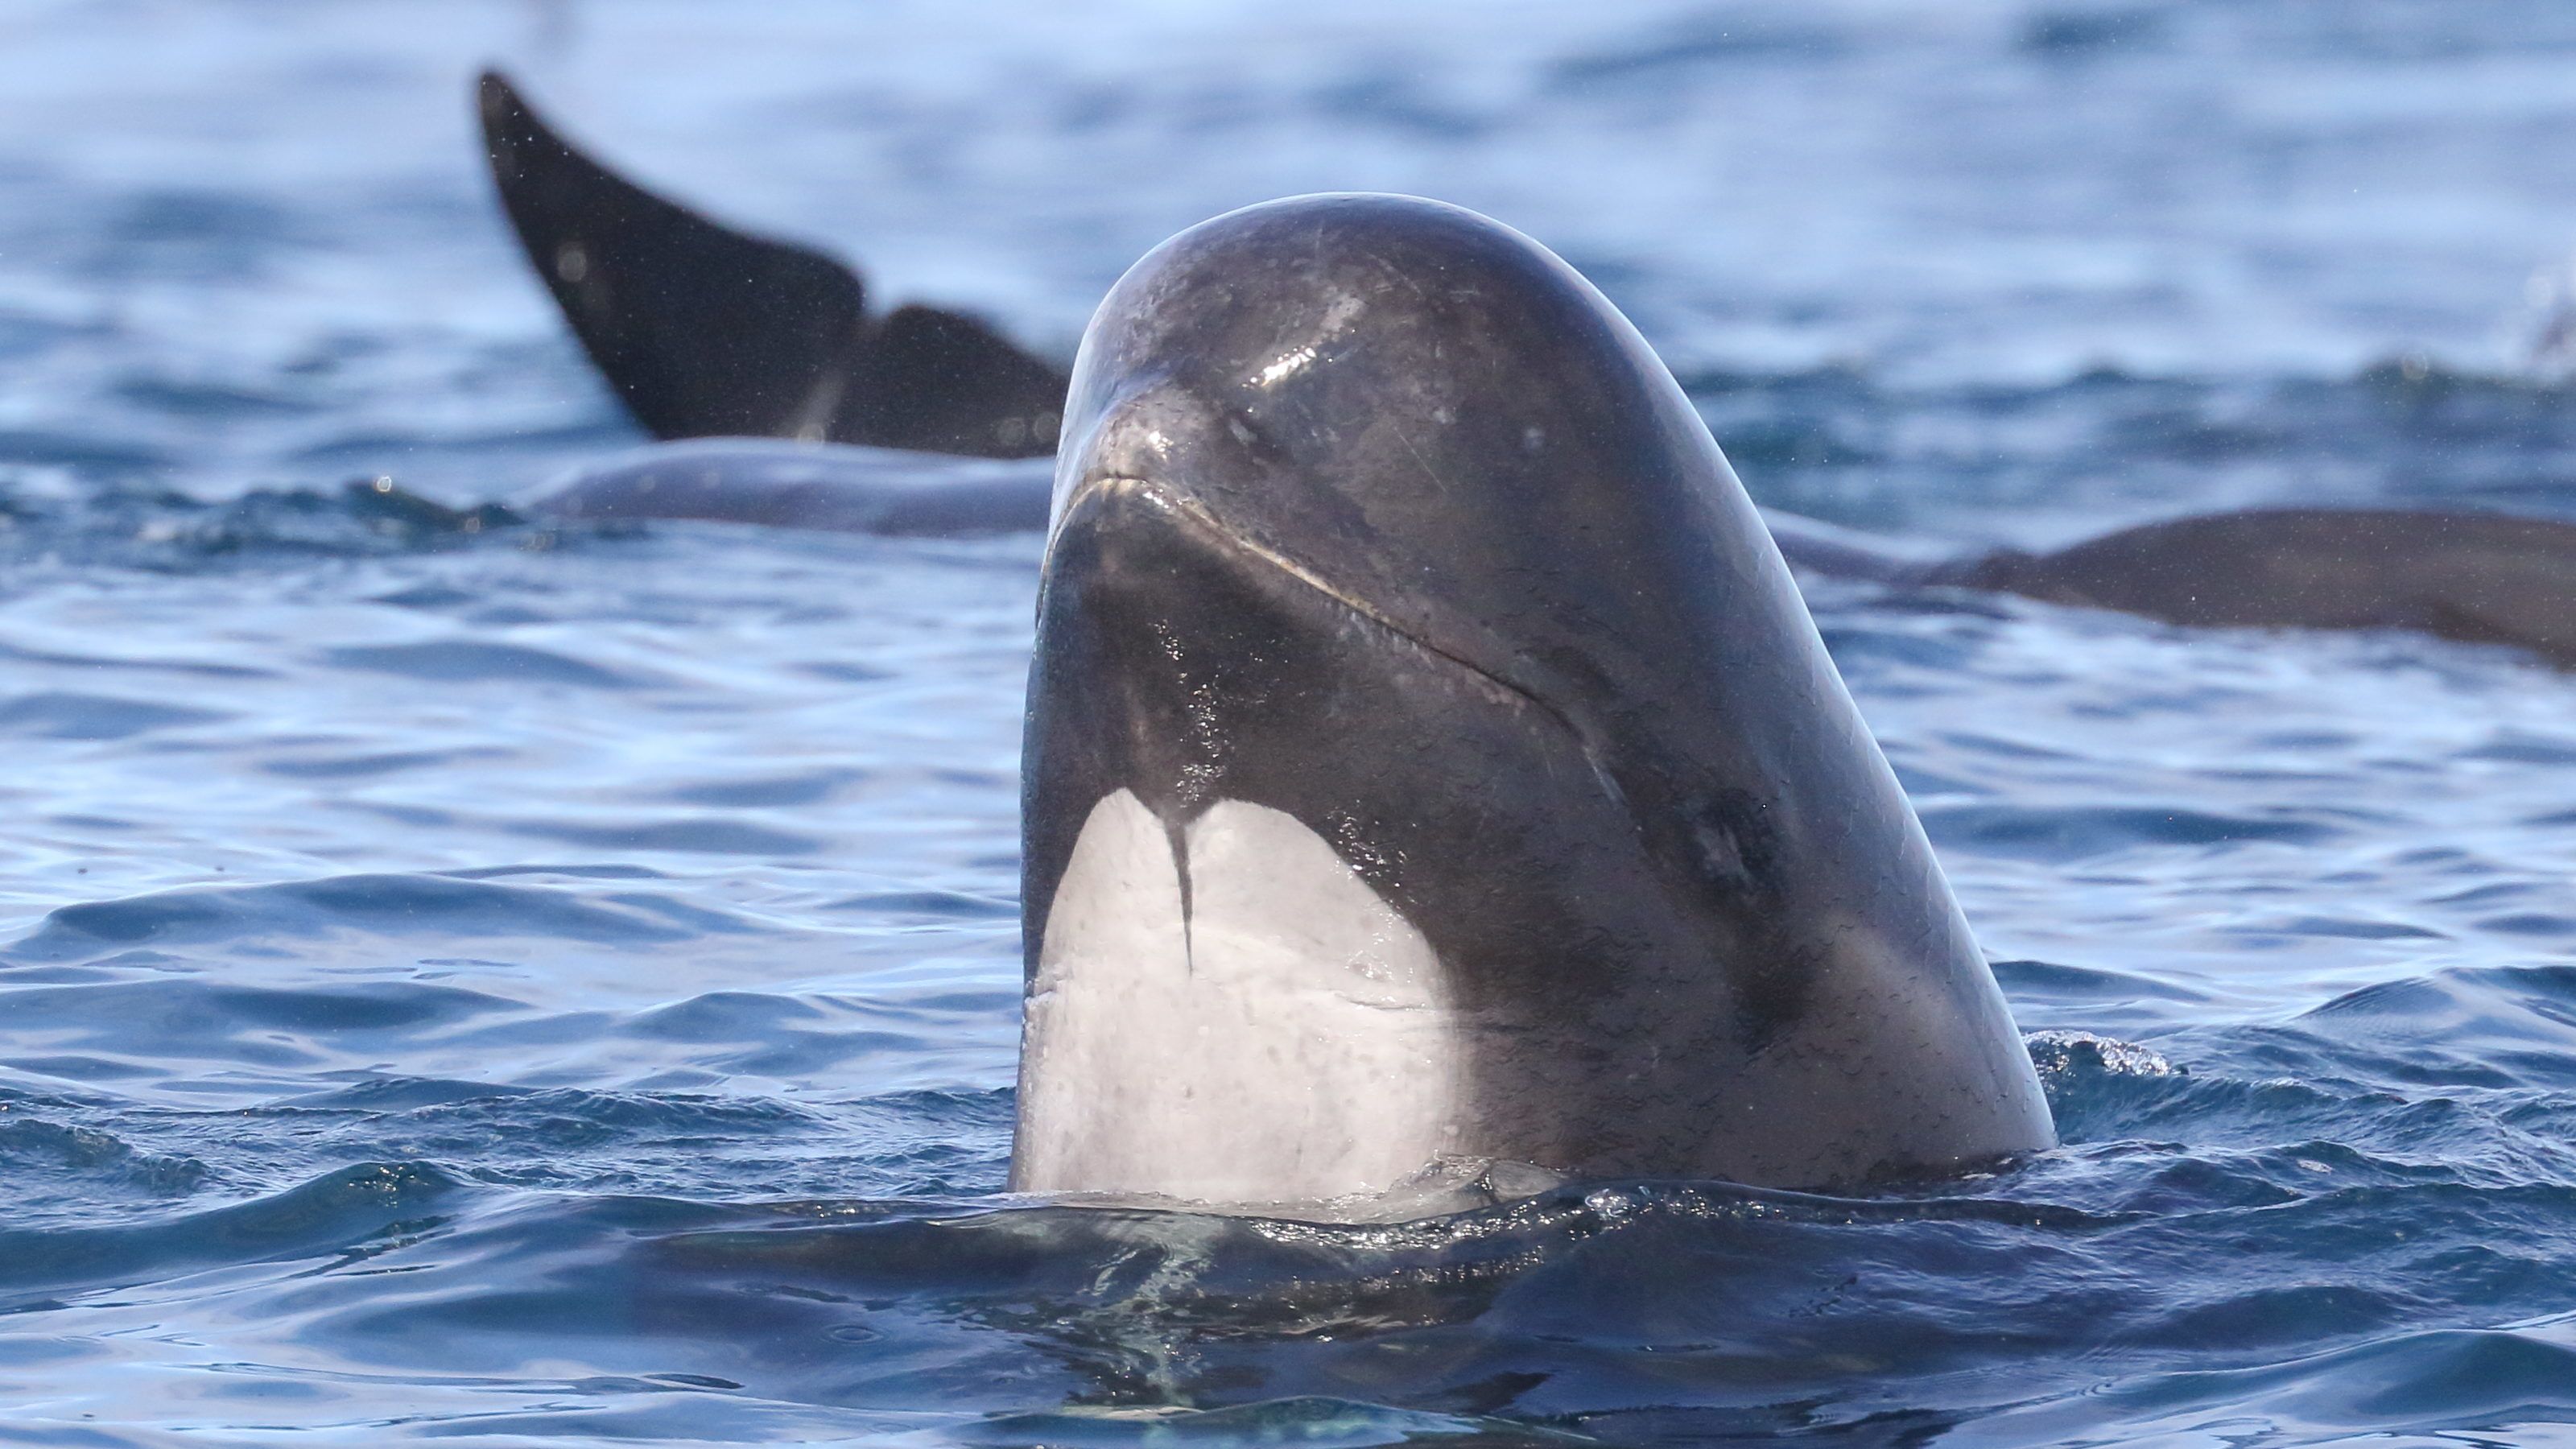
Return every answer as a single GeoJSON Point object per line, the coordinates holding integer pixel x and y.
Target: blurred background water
{"type": "Point", "coordinates": [465, 980]}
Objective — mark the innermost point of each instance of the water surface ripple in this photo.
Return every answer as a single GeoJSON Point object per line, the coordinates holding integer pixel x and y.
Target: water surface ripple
{"type": "Point", "coordinates": [468, 980]}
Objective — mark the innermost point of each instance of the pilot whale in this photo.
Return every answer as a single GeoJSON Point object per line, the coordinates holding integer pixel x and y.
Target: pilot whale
{"type": "Point", "coordinates": [925, 421]}
{"type": "Point", "coordinates": [1428, 757]}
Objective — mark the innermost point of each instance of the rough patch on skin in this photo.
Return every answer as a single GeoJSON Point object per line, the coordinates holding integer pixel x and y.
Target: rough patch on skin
{"type": "Point", "coordinates": [1292, 1043]}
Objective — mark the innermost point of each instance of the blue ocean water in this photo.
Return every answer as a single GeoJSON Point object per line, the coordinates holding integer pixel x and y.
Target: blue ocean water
{"type": "Point", "coordinates": [465, 980]}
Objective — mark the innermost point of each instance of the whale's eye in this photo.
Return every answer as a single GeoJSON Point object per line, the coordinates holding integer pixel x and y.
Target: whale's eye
{"type": "Point", "coordinates": [1731, 840]}
{"type": "Point", "coordinates": [1256, 439]}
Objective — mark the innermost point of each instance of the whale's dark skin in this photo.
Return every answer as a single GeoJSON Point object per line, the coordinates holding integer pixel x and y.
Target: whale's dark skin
{"type": "Point", "coordinates": [704, 332]}
{"type": "Point", "coordinates": [1374, 513]}
{"type": "Point", "coordinates": [2480, 578]}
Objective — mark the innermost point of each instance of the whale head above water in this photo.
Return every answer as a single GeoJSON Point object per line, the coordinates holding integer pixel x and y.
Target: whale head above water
{"type": "Point", "coordinates": [1428, 757]}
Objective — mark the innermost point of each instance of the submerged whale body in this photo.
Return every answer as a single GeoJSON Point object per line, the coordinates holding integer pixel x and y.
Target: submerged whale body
{"type": "Point", "coordinates": [1428, 757]}
{"type": "Point", "coordinates": [706, 332]}
{"type": "Point", "coordinates": [2479, 578]}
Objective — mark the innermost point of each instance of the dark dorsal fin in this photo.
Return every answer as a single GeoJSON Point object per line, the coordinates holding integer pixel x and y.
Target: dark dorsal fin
{"type": "Point", "coordinates": [705, 331]}
{"type": "Point", "coordinates": [949, 384]}
{"type": "Point", "coordinates": [700, 329]}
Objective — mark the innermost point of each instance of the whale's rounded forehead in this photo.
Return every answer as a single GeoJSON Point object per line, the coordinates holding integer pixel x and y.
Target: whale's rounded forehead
{"type": "Point", "coordinates": [1400, 391]}
{"type": "Point", "coordinates": [1354, 239]}
{"type": "Point", "coordinates": [1258, 296]}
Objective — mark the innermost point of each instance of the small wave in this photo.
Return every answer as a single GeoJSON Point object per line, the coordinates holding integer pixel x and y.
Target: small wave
{"type": "Point", "coordinates": [61, 1169]}
{"type": "Point", "coordinates": [87, 453]}
{"type": "Point", "coordinates": [332, 1213]}
{"type": "Point", "coordinates": [2101, 1088]}
{"type": "Point", "coordinates": [467, 661]}
{"type": "Point", "coordinates": [2492, 1026]}
{"type": "Point", "coordinates": [929, 905]}
{"type": "Point", "coordinates": [369, 765]}
{"type": "Point", "coordinates": [2086, 32]}
{"type": "Point", "coordinates": [1321, 1423]}
{"type": "Point", "coordinates": [2075, 832]}
{"type": "Point", "coordinates": [550, 1136]}
{"type": "Point", "coordinates": [2483, 1385]}
{"type": "Point", "coordinates": [396, 1094]}
{"type": "Point", "coordinates": [157, 529]}
{"type": "Point", "coordinates": [2091, 987]}
{"type": "Point", "coordinates": [65, 716]}
{"type": "Point", "coordinates": [1676, 51]}
{"type": "Point", "coordinates": [704, 835]}
{"type": "Point", "coordinates": [148, 1028]}
{"type": "Point", "coordinates": [2065, 1054]}
{"type": "Point", "coordinates": [810, 787]}
{"type": "Point", "coordinates": [391, 905]}
{"type": "Point", "coordinates": [199, 398]}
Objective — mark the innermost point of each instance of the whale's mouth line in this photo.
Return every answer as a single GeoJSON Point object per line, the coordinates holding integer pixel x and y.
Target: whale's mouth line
{"type": "Point", "coordinates": [1198, 519]}
{"type": "Point", "coordinates": [1204, 524]}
